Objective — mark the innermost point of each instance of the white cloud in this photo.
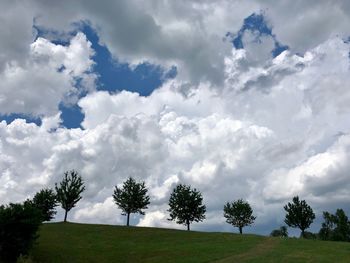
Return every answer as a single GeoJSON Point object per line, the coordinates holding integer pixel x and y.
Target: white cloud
{"type": "Point", "coordinates": [49, 76]}
{"type": "Point", "coordinates": [189, 33]}
{"type": "Point", "coordinates": [272, 129]}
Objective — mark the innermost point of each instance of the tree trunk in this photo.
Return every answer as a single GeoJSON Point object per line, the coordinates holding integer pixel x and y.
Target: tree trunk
{"type": "Point", "coordinates": [188, 225]}
{"type": "Point", "coordinates": [302, 233]}
{"type": "Point", "coordinates": [128, 219]}
{"type": "Point", "coordinates": [240, 230]}
{"type": "Point", "coordinates": [65, 216]}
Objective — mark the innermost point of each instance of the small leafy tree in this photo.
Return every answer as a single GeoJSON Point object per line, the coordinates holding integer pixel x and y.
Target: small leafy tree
{"type": "Point", "coordinates": [281, 232]}
{"type": "Point", "coordinates": [186, 205]}
{"type": "Point", "coordinates": [46, 201]}
{"type": "Point", "coordinates": [19, 224]}
{"type": "Point", "coordinates": [131, 198]}
{"type": "Point", "coordinates": [69, 191]}
{"type": "Point", "coordinates": [239, 214]}
{"type": "Point", "coordinates": [335, 227]}
{"type": "Point", "coordinates": [299, 214]}
{"type": "Point", "coordinates": [327, 230]}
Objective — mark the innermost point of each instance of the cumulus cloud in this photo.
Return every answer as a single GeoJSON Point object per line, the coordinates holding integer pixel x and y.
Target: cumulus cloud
{"type": "Point", "coordinates": [152, 30]}
{"type": "Point", "coordinates": [273, 127]}
{"type": "Point", "coordinates": [264, 146]}
{"type": "Point", "coordinates": [52, 74]}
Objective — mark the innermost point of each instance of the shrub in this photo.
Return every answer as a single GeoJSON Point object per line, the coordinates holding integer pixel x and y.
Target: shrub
{"type": "Point", "coordinates": [19, 224]}
{"type": "Point", "coordinates": [309, 235]}
{"type": "Point", "coordinates": [281, 232]}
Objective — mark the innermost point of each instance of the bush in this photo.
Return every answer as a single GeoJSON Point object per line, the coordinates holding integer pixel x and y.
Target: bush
{"type": "Point", "coordinates": [24, 259]}
{"type": "Point", "coordinates": [281, 232]}
{"type": "Point", "coordinates": [309, 235]}
{"type": "Point", "coordinates": [19, 224]}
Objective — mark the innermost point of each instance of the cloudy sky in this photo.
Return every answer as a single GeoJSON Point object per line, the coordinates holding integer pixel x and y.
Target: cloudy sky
{"type": "Point", "coordinates": [240, 99]}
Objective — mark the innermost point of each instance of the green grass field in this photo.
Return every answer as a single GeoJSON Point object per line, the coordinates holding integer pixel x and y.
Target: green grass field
{"type": "Point", "coordinates": [68, 242]}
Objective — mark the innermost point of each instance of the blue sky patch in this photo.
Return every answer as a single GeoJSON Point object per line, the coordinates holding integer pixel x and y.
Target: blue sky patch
{"type": "Point", "coordinates": [113, 75]}
{"type": "Point", "coordinates": [256, 23]}
{"type": "Point", "coordinates": [71, 116]}
{"type": "Point", "coordinates": [29, 119]}
{"type": "Point", "coordinates": [144, 78]}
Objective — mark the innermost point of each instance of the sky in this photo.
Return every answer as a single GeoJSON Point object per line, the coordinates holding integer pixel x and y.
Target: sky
{"type": "Point", "coordinates": [239, 99]}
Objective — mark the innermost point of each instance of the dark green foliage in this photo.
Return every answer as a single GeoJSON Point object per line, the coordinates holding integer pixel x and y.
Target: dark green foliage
{"type": "Point", "coordinates": [281, 232]}
{"type": "Point", "coordinates": [239, 214]}
{"type": "Point", "coordinates": [18, 227]}
{"type": "Point", "coordinates": [69, 192]}
{"type": "Point", "coordinates": [131, 198]}
{"type": "Point", "coordinates": [186, 205]}
{"type": "Point", "coordinates": [335, 227]}
{"type": "Point", "coordinates": [46, 201]}
{"type": "Point", "coordinates": [309, 235]}
{"type": "Point", "coordinates": [326, 231]}
{"type": "Point", "coordinates": [299, 214]}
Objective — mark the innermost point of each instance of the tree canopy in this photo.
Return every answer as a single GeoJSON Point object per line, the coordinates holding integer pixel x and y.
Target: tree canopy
{"type": "Point", "coordinates": [299, 214]}
{"type": "Point", "coordinates": [45, 200]}
{"type": "Point", "coordinates": [239, 214]}
{"type": "Point", "coordinates": [335, 227]}
{"type": "Point", "coordinates": [186, 205]}
{"type": "Point", "coordinates": [131, 198]}
{"type": "Point", "coordinates": [69, 191]}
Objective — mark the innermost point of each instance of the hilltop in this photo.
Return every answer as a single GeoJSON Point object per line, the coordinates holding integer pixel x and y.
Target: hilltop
{"type": "Point", "coordinates": [70, 242]}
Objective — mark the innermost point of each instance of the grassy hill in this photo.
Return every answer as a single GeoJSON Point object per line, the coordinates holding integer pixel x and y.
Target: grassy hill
{"type": "Point", "coordinates": [69, 242]}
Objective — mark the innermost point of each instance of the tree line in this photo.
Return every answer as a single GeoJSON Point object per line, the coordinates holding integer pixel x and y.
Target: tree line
{"type": "Point", "coordinates": [19, 222]}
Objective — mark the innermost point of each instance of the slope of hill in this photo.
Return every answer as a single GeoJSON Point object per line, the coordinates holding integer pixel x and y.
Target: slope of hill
{"type": "Point", "coordinates": [68, 242]}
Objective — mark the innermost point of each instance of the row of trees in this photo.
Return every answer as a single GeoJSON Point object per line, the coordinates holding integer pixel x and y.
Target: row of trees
{"type": "Point", "coordinates": [20, 222]}
{"type": "Point", "coordinates": [186, 206]}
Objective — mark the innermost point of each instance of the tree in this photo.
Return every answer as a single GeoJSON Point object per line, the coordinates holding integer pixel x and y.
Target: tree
{"type": "Point", "coordinates": [19, 224]}
{"type": "Point", "coordinates": [327, 229]}
{"type": "Point", "coordinates": [299, 214]}
{"type": "Point", "coordinates": [46, 201]}
{"type": "Point", "coordinates": [342, 226]}
{"type": "Point", "coordinates": [239, 214]}
{"type": "Point", "coordinates": [281, 232]}
{"type": "Point", "coordinates": [335, 227]}
{"type": "Point", "coordinates": [186, 205]}
{"type": "Point", "coordinates": [69, 191]}
{"type": "Point", "coordinates": [131, 198]}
